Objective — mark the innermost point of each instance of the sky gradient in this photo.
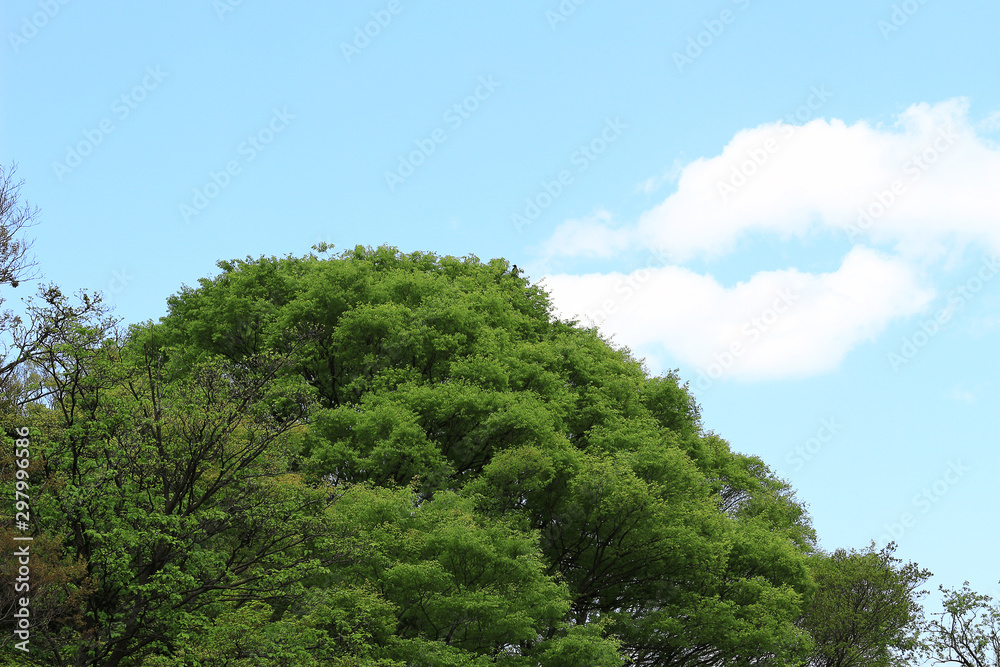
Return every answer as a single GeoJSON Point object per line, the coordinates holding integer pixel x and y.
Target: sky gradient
{"type": "Point", "coordinates": [794, 205]}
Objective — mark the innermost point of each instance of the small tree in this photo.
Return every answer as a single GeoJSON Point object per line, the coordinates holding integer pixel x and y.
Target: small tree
{"type": "Point", "coordinates": [16, 263]}
{"type": "Point", "coordinates": [968, 630]}
{"type": "Point", "coordinates": [865, 612]}
{"type": "Point", "coordinates": [23, 342]}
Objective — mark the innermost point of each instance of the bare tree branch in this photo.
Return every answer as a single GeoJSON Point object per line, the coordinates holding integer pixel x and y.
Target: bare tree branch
{"type": "Point", "coordinates": [16, 262]}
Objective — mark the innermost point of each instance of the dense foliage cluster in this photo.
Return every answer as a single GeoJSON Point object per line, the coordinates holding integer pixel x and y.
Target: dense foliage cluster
{"type": "Point", "coordinates": [386, 459]}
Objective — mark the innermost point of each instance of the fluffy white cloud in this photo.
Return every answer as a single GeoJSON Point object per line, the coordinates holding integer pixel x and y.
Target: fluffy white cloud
{"type": "Point", "coordinates": [777, 324]}
{"type": "Point", "coordinates": [922, 185]}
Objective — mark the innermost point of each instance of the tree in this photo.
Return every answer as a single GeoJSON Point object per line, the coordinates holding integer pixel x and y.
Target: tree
{"type": "Point", "coordinates": [382, 459]}
{"type": "Point", "coordinates": [58, 580]}
{"type": "Point", "coordinates": [463, 589]}
{"type": "Point", "coordinates": [172, 486]}
{"type": "Point", "coordinates": [16, 262]}
{"type": "Point", "coordinates": [967, 632]}
{"type": "Point", "coordinates": [20, 342]}
{"type": "Point", "coordinates": [865, 612]}
{"type": "Point", "coordinates": [451, 377]}
{"type": "Point", "coordinates": [16, 265]}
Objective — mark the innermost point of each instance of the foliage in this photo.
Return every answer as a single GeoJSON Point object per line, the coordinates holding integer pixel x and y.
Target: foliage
{"type": "Point", "coordinates": [967, 632]}
{"type": "Point", "coordinates": [16, 265]}
{"type": "Point", "coordinates": [175, 493]}
{"type": "Point", "coordinates": [450, 376]}
{"type": "Point", "coordinates": [385, 459]}
{"type": "Point", "coordinates": [866, 611]}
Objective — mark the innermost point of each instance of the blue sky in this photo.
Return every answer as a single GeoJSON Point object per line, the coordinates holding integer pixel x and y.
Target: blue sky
{"type": "Point", "coordinates": [793, 203]}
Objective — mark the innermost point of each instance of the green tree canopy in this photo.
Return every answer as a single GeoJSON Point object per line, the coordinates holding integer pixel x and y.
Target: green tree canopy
{"type": "Point", "coordinates": [450, 375]}
{"type": "Point", "coordinates": [385, 459]}
{"type": "Point", "coordinates": [866, 612]}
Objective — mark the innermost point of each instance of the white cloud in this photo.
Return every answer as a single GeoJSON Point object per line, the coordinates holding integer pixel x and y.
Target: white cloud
{"type": "Point", "coordinates": [991, 123]}
{"type": "Point", "coordinates": [654, 183]}
{"type": "Point", "coordinates": [924, 186]}
{"type": "Point", "coordinates": [788, 180]}
{"type": "Point", "coordinates": [588, 237]}
{"type": "Point", "coordinates": [784, 323]}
